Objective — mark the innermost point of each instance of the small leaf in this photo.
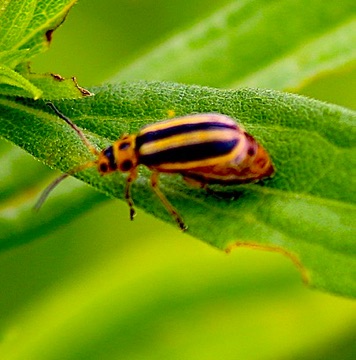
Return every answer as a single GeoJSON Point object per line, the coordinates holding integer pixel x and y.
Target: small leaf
{"type": "Point", "coordinates": [307, 210]}
{"type": "Point", "coordinates": [18, 84]}
{"type": "Point", "coordinates": [25, 30]}
{"type": "Point", "coordinates": [12, 58]}
{"type": "Point", "coordinates": [53, 87]}
{"type": "Point", "coordinates": [28, 24]}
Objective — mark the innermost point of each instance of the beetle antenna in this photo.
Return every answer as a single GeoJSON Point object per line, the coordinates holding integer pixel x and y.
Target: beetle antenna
{"type": "Point", "coordinates": [85, 140]}
{"type": "Point", "coordinates": [59, 179]}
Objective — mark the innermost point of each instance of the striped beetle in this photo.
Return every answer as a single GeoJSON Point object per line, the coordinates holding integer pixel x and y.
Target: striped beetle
{"type": "Point", "coordinates": [204, 148]}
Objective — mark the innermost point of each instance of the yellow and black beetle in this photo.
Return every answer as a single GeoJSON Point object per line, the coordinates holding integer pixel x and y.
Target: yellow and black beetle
{"type": "Point", "coordinates": [204, 148]}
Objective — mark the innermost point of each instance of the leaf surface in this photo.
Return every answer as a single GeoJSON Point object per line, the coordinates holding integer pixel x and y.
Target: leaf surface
{"type": "Point", "coordinates": [307, 210]}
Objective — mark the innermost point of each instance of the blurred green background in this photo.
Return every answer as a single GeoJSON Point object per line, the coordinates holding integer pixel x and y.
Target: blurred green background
{"type": "Point", "coordinates": [102, 287]}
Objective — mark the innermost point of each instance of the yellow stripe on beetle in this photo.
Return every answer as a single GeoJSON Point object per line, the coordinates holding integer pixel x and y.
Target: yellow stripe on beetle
{"type": "Point", "coordinates": [178, 141]}
{"type": "Point", "coordinates": [204, 148]}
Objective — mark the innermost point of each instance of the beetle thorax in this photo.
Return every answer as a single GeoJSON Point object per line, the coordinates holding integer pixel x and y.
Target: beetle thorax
{"type": "Point", "coordinates": [125, 153]}
{"type": "Point", "coordinates": [121, 156]}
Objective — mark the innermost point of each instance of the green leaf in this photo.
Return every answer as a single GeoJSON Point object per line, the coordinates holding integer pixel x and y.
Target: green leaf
{"type": "Point", "coordinates": [307, 210]}
{"type": "Point", "coordinates": [263, 43]}
{"type": "Point", "coordinates": [26, 30]}
{"type": "Point", "coordinates": [318, 56]}
{"type": "Point", "coordinates": [12, 58]}
{"type": "Point", "coordinates": [14, 79]}
{"type": "Point", "coordinates": [53, 87]}
{"type": "Point", "coordinates": [29, 24]}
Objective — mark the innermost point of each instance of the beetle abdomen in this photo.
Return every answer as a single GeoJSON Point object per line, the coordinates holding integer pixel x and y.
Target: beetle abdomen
{"type": "Point", "coordinates": [208, 148]}
{"type": "Point", "coordinates": [187, 142]}
{"type": "Point", "coordinates": [250, 163]}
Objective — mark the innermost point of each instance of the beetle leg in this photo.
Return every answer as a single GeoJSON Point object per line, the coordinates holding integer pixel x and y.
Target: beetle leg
{"type": "Point", "coordinates": [195, 183]}
{"type": "Point", "coordinates": [166, 203]}
{"type": "Point", "coordinates": [130, 179]}
{"type": "Point", "coordinates": [202, 185]}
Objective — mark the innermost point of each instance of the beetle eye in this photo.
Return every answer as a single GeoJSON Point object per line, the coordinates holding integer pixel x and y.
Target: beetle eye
{"type": "Point", "coordinates": [108, 152]}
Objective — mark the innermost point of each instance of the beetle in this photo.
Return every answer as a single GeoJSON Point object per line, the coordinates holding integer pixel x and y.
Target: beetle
{"type": "Point", "coordinates": [205, 149]}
